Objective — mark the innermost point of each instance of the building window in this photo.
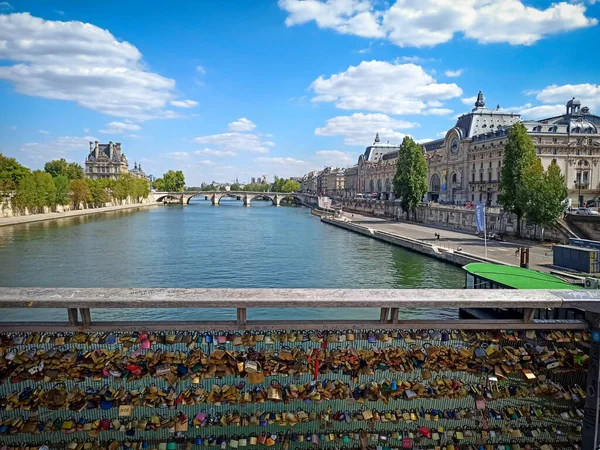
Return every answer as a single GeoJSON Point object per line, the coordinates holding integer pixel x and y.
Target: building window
{"type": "Point", "coordinates": [586, 175]}
{"type": "Point", "coordinates": [482, 165]}
{"type": "Point", "coordinates": [554, 151]}
{"type": "Point", "coordinates": [472, 197]}
{"type": "Point", "coordinates": [490, 164]}
{"type": "Point", "coordinates": [490, 177]}
{"type": "Point", "coordinates": [435, 183]}
{"type": "Point", "coordinates": [453, 178]}
{"type": "Point", "coordinates": [473, 178]}
{"type": "Point", "coordinates": [539, 151]}
{"type": "Point", "coordinates": [481, 176]}
{"type": "Point", "coordinates": [539, 140]}
{"type": "Point", "coordinates": [577, 152]}
{"type": "Point", "coordinates": [554, 140]}
{"type": "Point", "coordinates": [473, 166]}
{"type": "Point", "coordinates": [480, 197]}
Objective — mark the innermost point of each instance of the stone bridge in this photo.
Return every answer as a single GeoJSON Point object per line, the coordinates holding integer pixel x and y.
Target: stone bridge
{"type": "Point", "coordinates": [245, 196]}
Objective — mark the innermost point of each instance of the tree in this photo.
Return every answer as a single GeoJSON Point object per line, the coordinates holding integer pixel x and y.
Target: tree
{"type": "Point", "coordinates": [236, 187]}
{"type": "Point", "coordinates": [123, 187]}
{"type": "Point", "coordinates": [139, 189]}
{"type": "Point", "coordinates": [410, 181]}
{"type": "Point", "coordinates": [547, 197]}
{"type": "Point", "coordinates": [222, 188]}
{"type": "Point", "coordinates": [80, 192]}
{"type": "Point", "coordinates": [208, 187]}
{"type": "Point", "coordinates": [72, 171]}
{"type": "Point", "coordinates": [174, 181]}
{"type": "Point", "coordinates": [98, 192]}
{"type": "Point", "coordinates": [11, 173]}
{"type": "Point", "coordinates": [520, 173]}
{"type": "Point", "coordinates": [290, 186]}
{"type": "Point", "coordinates": [36, 191]}
{"type": "Point", "coordinates": [159, 185]}
{"type": "Point", "coordinates": [61, 183]}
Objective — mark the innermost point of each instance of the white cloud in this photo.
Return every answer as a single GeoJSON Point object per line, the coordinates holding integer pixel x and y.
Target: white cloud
{"type": "Point", "coordinates": [423, 141]}
{"type": "Point", "coordinates": [438, 111]}
{"type": "Point", "coordinates": [383, 86]}
{"type": "Point", "coordinates": [236, 142]}
{"type": "Point", "coordinates": [435, 104]}
{"type": "Point", "coordinates": [43, 132]}
{"type": "Point", "coordinates": [588, 94]}
{"type": "Point", "coordinates": [528, 111]}
{"type": "Point", "coordinates": [209, 151]}
{"type": "Point", "coordinates": [184, 103]}
{"type": "Point", "coordinates": [178, 155]}
{"type": "Point", "coordinates": [5, 6]}
{"type": "Point", "coordinates": [86, 130]}
{"type": "Point", "coordinates": [200, 69]}
{"type": "Point", "coordinates": [120, 127]}
{"type": "Point", "coordinates": [413, 59]}
{"type": "Point", "coordinates": [281, 161]}
{"type": "Point", "coordinates": [335, 157]}
{"type": "Point", "coordinates": [242, 124]}
{"type": "Point", "coordinates": [81, 62]}
{"type": "Point", "coordinates": [453, 73]}
{"type": "Point", "coordinates": [441, 134]}
{"type": "Point", "coordinates": [422, 23]}
{"type": "Point", "coordinates": [469, 100]}
{"type": "Point", "coordinates": [360, 129]}
{"type": "Point", "coordinates": [69, 147]}
{"type": "Point", "coordinates": [207, 162]}
{"type": "Point", "coordinates": [345, 16]}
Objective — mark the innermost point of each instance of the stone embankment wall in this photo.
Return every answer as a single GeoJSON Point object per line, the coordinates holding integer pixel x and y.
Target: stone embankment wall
{"type": "Point", "coordinates": [7, 210]}
{"type": "Point", "coordinates": [587, 227]}
{"type": "Point", "coordinates": [455, 218]}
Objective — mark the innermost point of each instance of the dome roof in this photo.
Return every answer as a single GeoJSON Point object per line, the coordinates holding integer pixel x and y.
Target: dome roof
{"type": "Point", "coordinates": [573, 102]}
{"type": "Point", "coordinates": [581, 126]}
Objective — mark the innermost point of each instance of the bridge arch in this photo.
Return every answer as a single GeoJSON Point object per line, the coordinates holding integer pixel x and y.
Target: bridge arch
{"type": "Point", "coordinates": [164, 197]}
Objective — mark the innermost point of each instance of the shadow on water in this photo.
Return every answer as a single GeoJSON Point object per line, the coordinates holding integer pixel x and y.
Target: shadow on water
{"type": "Point", "coordinates": [198, 245]}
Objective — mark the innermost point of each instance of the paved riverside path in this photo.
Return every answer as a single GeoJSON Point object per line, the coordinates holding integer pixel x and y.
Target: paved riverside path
{"type": "Point", "coordinates": [540, 257]}
{"type": "Point", "coordinates": [5, 221]}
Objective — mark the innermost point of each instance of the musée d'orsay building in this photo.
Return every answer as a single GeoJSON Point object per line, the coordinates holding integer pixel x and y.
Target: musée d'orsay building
{"type": "Point", "coordinates": [465, 165]}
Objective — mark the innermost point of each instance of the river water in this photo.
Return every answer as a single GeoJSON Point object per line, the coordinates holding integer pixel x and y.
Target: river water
{"type": "Point", "coordinates": [198, 245]}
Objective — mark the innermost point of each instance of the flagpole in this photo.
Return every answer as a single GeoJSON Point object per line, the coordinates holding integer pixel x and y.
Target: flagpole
{"type": "Point", "coordinates": [484, 232]}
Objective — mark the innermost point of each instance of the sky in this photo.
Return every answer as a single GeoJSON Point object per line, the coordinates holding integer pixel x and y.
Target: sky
{"type": "Point", "coordinates": [239, 89]}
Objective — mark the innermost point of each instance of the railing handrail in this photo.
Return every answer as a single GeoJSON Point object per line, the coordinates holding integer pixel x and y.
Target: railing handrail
{"type": "Point", "coordinates": [287, 298]}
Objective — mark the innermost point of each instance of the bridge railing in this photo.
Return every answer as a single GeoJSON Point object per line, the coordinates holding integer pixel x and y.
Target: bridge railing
{"type": "Point", "coordinates": [79, 304]}
{"type": "Point", "coordinates": [394, 382]}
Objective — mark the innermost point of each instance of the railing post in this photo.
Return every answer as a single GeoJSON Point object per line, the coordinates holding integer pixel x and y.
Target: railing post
{"type": "Point", "coordinates": [241, 316]}
{"type": "Point", "coordinates": [395, 313]}
{"type": "Point", "coordinates": [589, 434]}
{"type": "Point", "coordinates": [86, 317]}
{"type": "Point", "coordinates": [72, 314]}
{"type": "Point", "coordinates": [528, 315]}
{"type": "Point", "coordinates": [383, 316]}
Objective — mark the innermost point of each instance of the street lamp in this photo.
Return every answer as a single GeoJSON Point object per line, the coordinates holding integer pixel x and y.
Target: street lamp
{"type": "Point", "coordinates": [578, 185]}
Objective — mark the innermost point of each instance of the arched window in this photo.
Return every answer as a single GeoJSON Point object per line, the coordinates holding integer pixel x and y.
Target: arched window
{"type": "Point", "coordinates": [379, 185]}
{"type": "Point", "coordinates": [388, 185]}
{"type": "Point", "coordinates": [453, 178]}
{"type": "Point", "coordinates": [586, 164]}
{"type": "Point", "coordinates": [435, 183]}
{"type": "Point", "coordinates": [371, 186]}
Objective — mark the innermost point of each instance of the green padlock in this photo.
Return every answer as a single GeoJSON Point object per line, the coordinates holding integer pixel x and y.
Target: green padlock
{"type": "Point", "coordinates": [171, 445]}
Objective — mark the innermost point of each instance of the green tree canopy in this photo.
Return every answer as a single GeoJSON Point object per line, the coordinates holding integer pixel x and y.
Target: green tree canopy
{"type": "Point", "coordinates": [547, 197]}
{"type": "Point", "coordinates": [173, 181]}
{"type": "Point", "coordinates": [290, 186]}
{"type": "Point", "coordinates": [410, 181]}
{"type": "Point", "coordinates": [80, 192]}
{"type": "Point", "coordinates": [99, 192]}
{"type": "Point", "coordinates": [158, 184]}
{"type": "Point", "coordinates": [72, 171]}
{"type": "Point", "coordinates": [521, 174]}
{"type": "Point", "coordinates": [35, 191]}
{"type": "Point", "coordinates": [236, 187]}
{"type": "Point", "coordinates": [11, 172]}
{"type": "Point", "coordinates": [61, 183]}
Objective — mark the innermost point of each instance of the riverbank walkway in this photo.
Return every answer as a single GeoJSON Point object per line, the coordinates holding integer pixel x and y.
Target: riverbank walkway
{"type": "Point", "coordinates": [540, 256]}
{"type": "Point", "coordinates": [6, 221]}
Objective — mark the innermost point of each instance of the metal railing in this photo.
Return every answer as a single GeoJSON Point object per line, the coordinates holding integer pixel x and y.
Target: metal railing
{"type": "Point", "coordinates": [79, 302]}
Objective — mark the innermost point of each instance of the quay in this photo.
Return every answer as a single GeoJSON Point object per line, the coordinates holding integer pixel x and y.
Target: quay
{"type": "Point", "coordinates": [453, 246]}
{"type": "Point", "coordinates": [6, 221]}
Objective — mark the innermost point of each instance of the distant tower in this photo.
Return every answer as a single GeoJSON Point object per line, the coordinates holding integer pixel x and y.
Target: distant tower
{"type": "Point", "coordinates": [376, 137]}
{"type": "Point", "coordinates": [480, 103]}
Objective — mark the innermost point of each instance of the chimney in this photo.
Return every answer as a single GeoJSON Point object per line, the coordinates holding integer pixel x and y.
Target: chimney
{"type": "Point", "coordinates": [110, 149]}
{"type": "Point", "coordinates": [91, 146]}
{"type": "Point", "coordinates": [96, 150]}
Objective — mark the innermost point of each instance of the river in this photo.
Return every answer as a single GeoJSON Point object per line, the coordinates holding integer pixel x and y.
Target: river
{"type": "Point", "coordinates": [198, 245]}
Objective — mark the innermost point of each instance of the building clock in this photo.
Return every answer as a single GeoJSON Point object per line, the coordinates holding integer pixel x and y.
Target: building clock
{"type": "Point", "coordinates": [454, 146]}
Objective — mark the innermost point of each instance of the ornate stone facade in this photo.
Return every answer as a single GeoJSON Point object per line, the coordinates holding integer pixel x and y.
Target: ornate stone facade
{"type": "Point", "coordinates": [105, 161]}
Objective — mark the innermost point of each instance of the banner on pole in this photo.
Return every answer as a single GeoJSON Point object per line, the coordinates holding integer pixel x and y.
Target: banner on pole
{"type": "Point", "coordinates": [480, 216]}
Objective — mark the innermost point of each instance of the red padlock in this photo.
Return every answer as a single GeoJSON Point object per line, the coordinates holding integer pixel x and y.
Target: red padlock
{"type": "Point", "coordinates": [407, 443]}
{"type": "Point", "coordinates": [426, 432]}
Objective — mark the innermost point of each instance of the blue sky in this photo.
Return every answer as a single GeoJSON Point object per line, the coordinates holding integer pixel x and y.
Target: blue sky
{"type": "Point", "coordinates": [250, 87]}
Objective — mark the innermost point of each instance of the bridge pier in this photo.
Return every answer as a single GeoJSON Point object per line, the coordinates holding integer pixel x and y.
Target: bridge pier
{"type": "Point", "coordinates": [215, 200]}
{"type": "Point", "coordinates": [246, 200]}
{"type": "Point", "coordinates": [276, 200]}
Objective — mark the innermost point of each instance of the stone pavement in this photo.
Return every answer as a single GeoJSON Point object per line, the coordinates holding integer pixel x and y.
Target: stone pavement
{"type": "Point", "coordinates": [540, 257]}
{"type": "Point", "coordinates": [5, 221]}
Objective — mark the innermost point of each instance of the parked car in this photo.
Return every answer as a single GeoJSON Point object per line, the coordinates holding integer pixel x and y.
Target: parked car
{"type": "Point", "coordinates": [591, 204]}
{"type": "Point", "coordinates": [586, 212]}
